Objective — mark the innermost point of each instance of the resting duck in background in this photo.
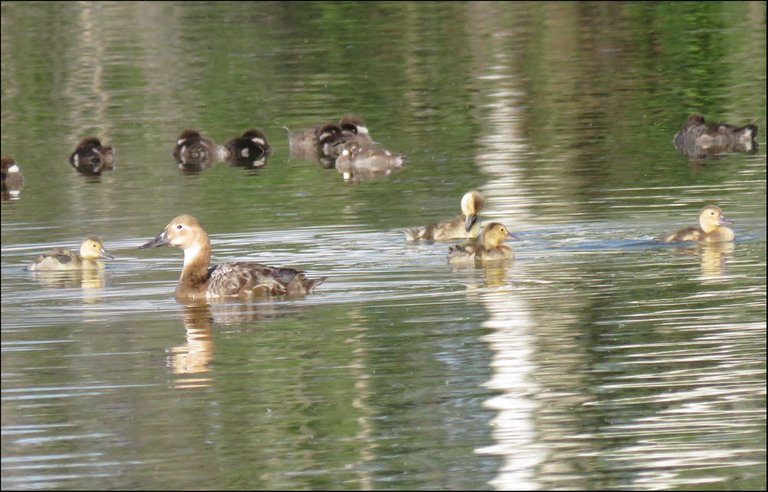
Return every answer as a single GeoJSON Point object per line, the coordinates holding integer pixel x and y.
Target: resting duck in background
{"type": "Point", "coordinates": [353, 127]}
{"type": "Point", "coordinates": [13, 180]}
{"type": "Point", "coordinates": [487, 247]}
{"type": "Point", "coordinates": [712, 228]}
{"type": "Point", "coordinates": [90, 157]}
{"type": "Point", "coordinates": [324, 142]}
{"type": "Point", "coordinates": [461, 227]}
{"type": "Point", "coordinates": [359, 162]}
{"type": "Point", "coordinates": [61, 259]}
{"type": "Point", "coordinates": [250, 149]}
{"type": "Point", "coordinates": [697, 138]}
{"type": "Point", "coordinates": [232, 279]}
{"type": "Point", "coordinates": [194, 151]}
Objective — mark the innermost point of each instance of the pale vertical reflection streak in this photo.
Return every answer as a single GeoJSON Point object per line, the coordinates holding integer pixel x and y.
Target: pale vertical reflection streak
{"type": "Point", "coordinates": [511, 342]}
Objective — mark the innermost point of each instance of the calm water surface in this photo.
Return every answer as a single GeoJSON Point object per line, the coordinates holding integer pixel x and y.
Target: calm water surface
{"type": "Point", "coordinates": [598, 359]}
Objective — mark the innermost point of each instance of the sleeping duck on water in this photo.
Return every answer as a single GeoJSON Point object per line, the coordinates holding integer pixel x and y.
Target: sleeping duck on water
{"type": "Point", "coordinates": [249, 149]}
{"type": "Point", "coordinates": [464, 226]}
{"type": "Point", "coordinates": [359, 161]}
{"type": "Point", "coordinates": [698, 138]}
{"type": "Point", "coordinates": [61, 259]}
{"type": "Point", "coordinates": [90, 157]}
{"type": "Point", "coordinates": [232, 279]}
{"type": "Point", "coordinates": [194, 151]}
{"type": "Point", "coordinates": [487, 247]}
{"type": "Point", "coordinates": [712, 228]}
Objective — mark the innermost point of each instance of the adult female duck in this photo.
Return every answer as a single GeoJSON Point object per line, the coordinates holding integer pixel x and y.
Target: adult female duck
{"type": "Point", "coordinates": [232, 279]}
{"type": "Point", "coordinates": [461, 227]}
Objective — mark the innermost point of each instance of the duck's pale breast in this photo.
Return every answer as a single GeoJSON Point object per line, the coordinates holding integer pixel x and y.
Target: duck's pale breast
{"type": "Point", "coordinates": [501, 252]}
{"type": "Point", "coordinates": [721, 234]}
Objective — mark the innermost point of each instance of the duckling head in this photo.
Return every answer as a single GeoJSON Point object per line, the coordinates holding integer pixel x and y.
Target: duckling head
{"type": "Point", "coordinates": [711, 217]}
{"type": "Point", "coordinates": [471, 204]}
{"type": "Point", "coordinates": [354, 124]}
{"type": "Point", "coordinates": [327, 132]}
{"type": "Point", "coordinates": [255, 135]}
{"type": "Point", "coordinates": [9, 166]}
{"type": "Point", "coordinates": [93, 248]}
{"type": "Point", "coordinates": [188, 136]}
{"type": "Point", "coordinates": [89, 142]}
{"type": "Point", "coordinates": [695, 119]}
{"type": "Point", "coordinates": [495, 233]}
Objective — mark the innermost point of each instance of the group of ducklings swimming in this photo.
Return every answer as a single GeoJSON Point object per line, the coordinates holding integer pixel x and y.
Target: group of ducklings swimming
{"type": "Point", "coordinates": [200, 280]}
{"type": "Point", "coordinates": [336, 142]}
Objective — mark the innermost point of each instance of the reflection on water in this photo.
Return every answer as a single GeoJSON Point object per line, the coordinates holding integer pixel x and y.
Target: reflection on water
{"type": "Point", "coordinates": [598, 358]}
{"type": "Point", "coordinates": [714, 257]}
{"type": "Point", "coordinates": [194, 358]}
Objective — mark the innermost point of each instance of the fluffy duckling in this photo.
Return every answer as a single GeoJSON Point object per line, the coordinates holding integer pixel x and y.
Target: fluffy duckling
{"type": "Point", "coordinates": [359, 161]}
{"type": "Point", "coordinates": [354, 126]}
{"type": "Point", "coordinates": [697, 137]}
{"type": "Point", "coordinates": [90, 157]}
{"type": "Point", "coordinates": [233, 279]}
{"type": "Point", "coordinates": [61, 259]}
{"type": "Point", "coordinates": [194, 151]}
{"type": "Point", "coordinates": [461, 227]}
{"type": "Point", "coordinates": [13, 181]}
{"type": "Point", "coordinates": [250, 149]}
{"type": "Point", "coordinates": [712, 228]}
{"type": "Point", "coordinates": [487, 247]}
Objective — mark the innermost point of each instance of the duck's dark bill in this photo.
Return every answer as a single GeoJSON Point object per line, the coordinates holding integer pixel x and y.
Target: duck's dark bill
{"type": "Point", "coordinates": [160, 240]}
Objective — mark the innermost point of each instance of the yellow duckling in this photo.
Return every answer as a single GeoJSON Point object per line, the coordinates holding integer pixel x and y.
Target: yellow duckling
{"type": "Point", "coordinates": [61, 259]}
{"type": "Point", "coordinates": [711, 228]}
{"type": "Point", "coordinates": [461, 227]}
{"type": "Point", "coordinates": [487, 247]}
{"type": "Point", "coordinates": [233, 279]}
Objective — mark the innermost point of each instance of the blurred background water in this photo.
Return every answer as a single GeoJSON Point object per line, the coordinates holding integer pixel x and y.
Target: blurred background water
{"type": "Point", "coordinates": [598, 359]}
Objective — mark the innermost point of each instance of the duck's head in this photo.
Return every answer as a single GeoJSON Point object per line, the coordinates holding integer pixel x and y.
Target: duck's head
{"type": "Point", "coordinates": [354, 124]}
{"type": "Point", "coordinates": [327, 132]}
{"type": "Point", "coordinates": [89, 142]}
{"type": "Point", "coordinates": [9, 166]}
{"type": "Point", "coordinates": [186, 135]}
{"type": "Point", "coordinates": [255, 135]}
{"type": "Point", "coordinates": [183, 231]}
{"type": "Point", "coordinates": [495, 233]}
{"type": "Point", "coordinates": [471, 204]}
{"type": "Point", "coordinates": [92, 248]}
{"type": "Point", "coordinates": [695, 119]}
{"type": "Point", "coordinates": [711, 217]}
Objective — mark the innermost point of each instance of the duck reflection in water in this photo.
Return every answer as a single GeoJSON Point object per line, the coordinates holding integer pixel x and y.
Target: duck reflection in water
{"type": "Point", "coordinates": [714, 257]}
{"type": "Point", "coordinates": [192, 359]}
{"type": "Point", "coordinates": [698, 139]}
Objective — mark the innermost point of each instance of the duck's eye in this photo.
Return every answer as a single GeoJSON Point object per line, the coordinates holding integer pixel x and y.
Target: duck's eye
{"type": "Point", "coordinates": [179, 226]}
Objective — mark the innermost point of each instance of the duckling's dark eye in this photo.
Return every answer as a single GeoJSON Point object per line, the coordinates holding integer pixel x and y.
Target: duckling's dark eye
{"type": "Point", "coordinates": [179, 226]}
